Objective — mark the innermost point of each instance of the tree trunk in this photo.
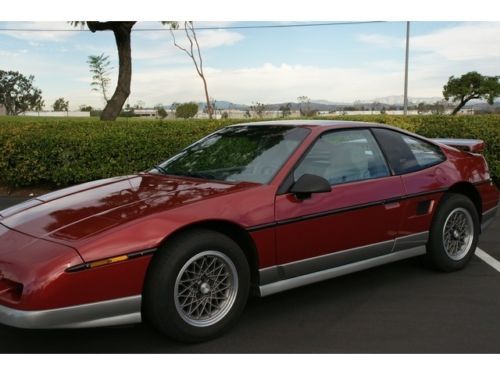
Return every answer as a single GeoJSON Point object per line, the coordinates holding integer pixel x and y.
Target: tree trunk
{"type": "Point", "coordinates": [210, 110]}
{"type": "Point", "coordinates": [459, 107]}
{"type": "Point", "coordinates": [115, 104]}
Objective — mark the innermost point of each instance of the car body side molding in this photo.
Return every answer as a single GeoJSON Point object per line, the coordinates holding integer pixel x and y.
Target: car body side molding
{"type": "Point", "coordinates": [282, 285]}
{"type": "Point", "coordinates": [343, 210]}
{"type": "Point", "coordinates": [337, 260]}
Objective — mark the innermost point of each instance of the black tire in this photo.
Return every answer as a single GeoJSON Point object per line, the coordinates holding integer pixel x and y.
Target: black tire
{"type": "Point", "coordinates": [161, 289]}
{"type": "Point", "coordinates": [451, 205]}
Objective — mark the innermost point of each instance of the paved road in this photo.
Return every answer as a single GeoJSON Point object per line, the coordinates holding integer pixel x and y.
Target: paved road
{"type": "Point", "coordinates": [404, 307]}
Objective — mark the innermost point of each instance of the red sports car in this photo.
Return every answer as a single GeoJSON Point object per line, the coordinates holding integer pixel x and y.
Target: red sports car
{"type": "Point", "coordinates": [259, 207]}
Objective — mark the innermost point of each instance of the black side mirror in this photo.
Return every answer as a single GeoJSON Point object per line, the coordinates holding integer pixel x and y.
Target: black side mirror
{"type": "Point", "coordinates": [308, 184]}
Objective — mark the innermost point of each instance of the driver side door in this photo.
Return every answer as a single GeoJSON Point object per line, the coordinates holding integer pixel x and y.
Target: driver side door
{"type": "Point", "coordinates": [357, 219]}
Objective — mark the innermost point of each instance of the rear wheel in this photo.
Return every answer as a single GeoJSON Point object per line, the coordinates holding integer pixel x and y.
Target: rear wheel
{"type": "Point", "coordinates": [196, 286]}
{"type": "Point", "coordinates": [454, 233]}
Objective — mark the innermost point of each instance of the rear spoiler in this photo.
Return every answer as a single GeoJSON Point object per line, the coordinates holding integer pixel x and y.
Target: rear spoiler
{"type": "Point", "coordinates": [469, 145]}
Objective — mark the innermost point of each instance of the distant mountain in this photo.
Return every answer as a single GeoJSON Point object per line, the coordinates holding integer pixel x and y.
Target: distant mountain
{"type": "Point", "coordinates": [399, 100]}
{"type": "Point", "coordinates": [328, 102]}
{"type": "Point", "coordinates": [220, 104]}
{"type": "Point", "coordinates": [394, 101]}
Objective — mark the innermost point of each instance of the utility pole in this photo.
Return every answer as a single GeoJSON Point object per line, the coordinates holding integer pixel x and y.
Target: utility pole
{"type": "Point", "coordinates": [406, 67]}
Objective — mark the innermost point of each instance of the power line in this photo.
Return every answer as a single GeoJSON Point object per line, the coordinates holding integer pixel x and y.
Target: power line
{"type": "Point", "coordinates": [280, 26]}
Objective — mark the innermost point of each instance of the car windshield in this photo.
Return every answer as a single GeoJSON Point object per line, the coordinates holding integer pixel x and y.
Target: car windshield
{"type": "Point", "coordinates": [238, 153]}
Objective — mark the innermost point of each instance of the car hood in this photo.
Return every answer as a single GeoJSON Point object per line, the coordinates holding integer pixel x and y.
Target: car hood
{"type": "Point", "coordinates": [83, 210]}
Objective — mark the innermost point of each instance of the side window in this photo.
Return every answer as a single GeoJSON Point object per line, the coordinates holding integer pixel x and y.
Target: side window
{"type": "Point", "coordinates": [426, 153]}
{"type": "Point", "coordinates": [344, 156]}
{"type": "Point", "coordinates": [405, 153]}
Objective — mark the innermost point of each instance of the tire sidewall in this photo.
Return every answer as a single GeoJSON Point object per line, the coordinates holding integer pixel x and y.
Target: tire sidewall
{"type": "Point", "coordinates": [160, 284]}
{"type": "Point", "coordinates": [435, 248]}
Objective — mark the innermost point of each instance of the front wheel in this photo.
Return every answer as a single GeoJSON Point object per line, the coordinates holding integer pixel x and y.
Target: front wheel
{"type": "Point", "coordinates": [454, 233]}
{"type": "Point", "coordinates": [196, 286]}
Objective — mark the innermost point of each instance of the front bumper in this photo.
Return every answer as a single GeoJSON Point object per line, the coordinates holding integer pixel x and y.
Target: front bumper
{"type": "Point", "coordinates": [105, 313]}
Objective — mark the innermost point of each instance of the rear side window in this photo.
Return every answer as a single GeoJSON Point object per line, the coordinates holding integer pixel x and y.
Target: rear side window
{"type": "Point", "coordinates": [406, 153]}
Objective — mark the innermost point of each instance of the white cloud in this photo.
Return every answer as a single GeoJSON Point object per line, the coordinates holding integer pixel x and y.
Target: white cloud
{"type": "Point", "coordinates": [268, 83]}
{"type": "Point", "coordinates": [380, 40]}
{"type": "Point", "coordinates": [217, 38]}
{"type": "Point", "coordinates": [4, 53]}
{"type": "Point", "coordinates": [158, 35]}
{"type": "Point", "coordinates": [467, 41]}
{"type": "Point", "coordinates": [208, 39]}
{"type": "Point", "coordinates": [37, 36]}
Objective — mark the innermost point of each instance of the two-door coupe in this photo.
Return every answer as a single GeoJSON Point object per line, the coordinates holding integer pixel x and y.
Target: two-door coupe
{"type": "Point", "coordinates": [261, 207]}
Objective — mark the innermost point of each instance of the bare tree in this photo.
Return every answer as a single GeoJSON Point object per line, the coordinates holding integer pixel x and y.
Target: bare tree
{"type": "Point", "coordinates": [194, 52]}
{"type": "Point", "coordinates": [305, 106]}
{"type": "Point", "coordinates": [258, 109]}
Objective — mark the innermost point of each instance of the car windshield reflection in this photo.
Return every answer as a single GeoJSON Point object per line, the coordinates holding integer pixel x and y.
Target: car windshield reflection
{"type": "Point", "coordinates": [237, 154]}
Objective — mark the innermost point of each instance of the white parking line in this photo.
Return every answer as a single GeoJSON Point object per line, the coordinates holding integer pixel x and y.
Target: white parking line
{"type": "Point", "coordinates": [487, 258]}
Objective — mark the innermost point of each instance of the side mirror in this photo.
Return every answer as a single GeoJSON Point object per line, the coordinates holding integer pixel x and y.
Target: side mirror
{"type": "Point", "coordinates": [308, 184]}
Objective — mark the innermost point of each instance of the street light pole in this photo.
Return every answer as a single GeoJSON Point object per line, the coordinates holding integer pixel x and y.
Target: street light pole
{"type": "Point", "coordinates": [406, 67]}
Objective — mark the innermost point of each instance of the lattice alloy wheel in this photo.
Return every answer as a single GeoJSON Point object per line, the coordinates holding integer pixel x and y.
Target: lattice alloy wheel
{"type": "Point", "coordinates": [206, 288]}
{"type": "Point", "coordinates": [458, 233]}
{"type": "Point", "coordinates": [197, 285]}
{"type": "Point", "coordinates": [454, 233]}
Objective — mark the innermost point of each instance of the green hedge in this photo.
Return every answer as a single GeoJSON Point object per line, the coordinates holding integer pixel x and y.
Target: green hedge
{"type": "Point", "coordinates": [61, 152]}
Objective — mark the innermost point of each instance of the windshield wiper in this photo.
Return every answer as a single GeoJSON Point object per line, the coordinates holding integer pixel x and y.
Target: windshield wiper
{"type": "Point", "coordinates": [159, 168]}
{"type": "Point", "coordinates": [199, 175]}
{"type": "Point", "coordinates": [185, 174]}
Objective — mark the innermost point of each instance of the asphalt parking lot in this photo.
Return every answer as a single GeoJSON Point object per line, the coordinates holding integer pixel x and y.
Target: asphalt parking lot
{"type": "Point", "coordinates": [403, 307]}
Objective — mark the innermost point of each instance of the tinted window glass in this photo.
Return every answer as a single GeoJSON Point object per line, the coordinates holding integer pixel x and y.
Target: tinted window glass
{"type": "Point", "coordinates": [238, 153]}
{"type": "Point", "coordinates": [405, 153]}
{"type": "Point", "coordinates": [344, 156]}
{"type": "Point", "coordinates": [426, 153]}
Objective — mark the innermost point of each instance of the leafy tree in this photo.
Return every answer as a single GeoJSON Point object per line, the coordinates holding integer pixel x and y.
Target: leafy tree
{"type": "Point", "coordinates": [470, 86]}
{"type": "Point", "coordinates": [194, 52]}
{"type": "Point", "coordinates": [286, 109]}
{"type": "Point", "coordinates": [86, 108]}
{"type": "Point", "coordinates": [122, 31]}
{"type": "Point", "coordinates": [186, 110]}
{"type": "Point", "coordinates": [258, 109]}
{"type": "Point", "coordinates": [39, 105]}
{"type": "Point", "coordinates": [437, 108]}
{"type": "Point", "coordinates": [421, 108]}
{"type": "Point", "coordinates": [173, 106]}
{"type": "Point", "coordinates": [100, 68]}
{"type": "Point", "coordinates": [160, 109]}
{"type": "Point", "coordinates": [61, 105]}
{"type": "Point", "coordinates": [17, 93]}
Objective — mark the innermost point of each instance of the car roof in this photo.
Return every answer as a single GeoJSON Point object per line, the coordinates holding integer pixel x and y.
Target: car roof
{"type": "Point", "coordinates": [311, 123]}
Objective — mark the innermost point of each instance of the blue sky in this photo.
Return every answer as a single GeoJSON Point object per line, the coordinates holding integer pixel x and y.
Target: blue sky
{"type": "Point", "coordinates": [340, 63]}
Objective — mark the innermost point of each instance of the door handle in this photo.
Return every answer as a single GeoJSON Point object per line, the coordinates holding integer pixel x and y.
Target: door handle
{"type": "Point", "coordinates": [392, 200]}
{"type": "Point", "coordinates": [392, 203]}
